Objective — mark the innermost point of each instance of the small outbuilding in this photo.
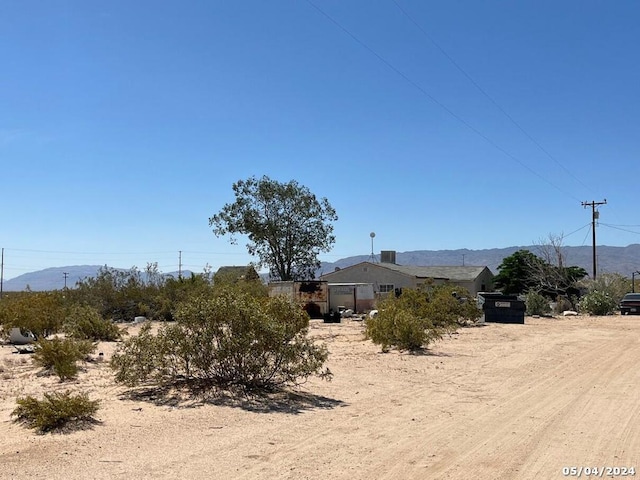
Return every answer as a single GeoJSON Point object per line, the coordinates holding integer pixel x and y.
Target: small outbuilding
{"type": "Point", "coordinates": [312, 294]}
{"type": "Point", "coordinates": [359, 297]}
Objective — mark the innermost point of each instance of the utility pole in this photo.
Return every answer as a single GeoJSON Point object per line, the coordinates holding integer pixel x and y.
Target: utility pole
{"type": "Point", "coordinates": [594, 216]}
{"type": "Point", "coordinates": [66, 274]}
{"type": "Point", "coordinates": [179, 264]}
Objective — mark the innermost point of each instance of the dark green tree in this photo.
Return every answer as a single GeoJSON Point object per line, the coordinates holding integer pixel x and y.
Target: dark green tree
{"type": "Point", "coordinates": [286, 225]}
{"type": "Point", "coordinates": [525, 272]}
{"type": "Point", "coordinates": [516, 273]}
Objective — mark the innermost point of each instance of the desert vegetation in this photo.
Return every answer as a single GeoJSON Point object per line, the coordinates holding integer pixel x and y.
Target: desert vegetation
{"type": "Point", "coordinates": [544, 280]}
{"type": "Point", "coordinates": [56, 411]}
{"type": "Point", "coordinates": [231, 340]}
{"type": "Point", "coordinates": [414, 319]}
{"type": "Point", "coordinates": [61, 355]}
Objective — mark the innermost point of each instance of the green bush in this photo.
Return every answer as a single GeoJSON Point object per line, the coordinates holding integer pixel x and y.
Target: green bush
{"type": "Point", "coordinates": [598, 303]}
{"type": "Point", "coordinates": [418, 317]}
{"type": "Point", "coordinates": [85, 323]}
{"type": "Point", "coordinates": [55, 411]}
{"type": "Point", "coordinates": [229, 340]}
{"type": "Point", "coordinates": [613, 284]}
{"type": "Point", "coordinates": [60, 355]}
{"type": "Point", "coordinates": [42, 313]}
{"type": "Point", "coordinates": [537, 304]}
{"type": "Point", "coordinates": [395, 327]}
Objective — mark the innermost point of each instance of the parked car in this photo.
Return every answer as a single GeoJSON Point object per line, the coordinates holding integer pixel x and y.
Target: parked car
{"type": "Point", "coordinates": [630, 303]}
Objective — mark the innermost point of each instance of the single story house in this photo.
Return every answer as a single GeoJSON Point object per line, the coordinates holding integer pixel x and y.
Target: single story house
{"type": "Point", "coordinates": [387, 277]}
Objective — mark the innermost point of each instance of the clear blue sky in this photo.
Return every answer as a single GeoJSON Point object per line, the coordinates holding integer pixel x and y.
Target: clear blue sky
{"type": "Point", "coordinates": [123, 124]}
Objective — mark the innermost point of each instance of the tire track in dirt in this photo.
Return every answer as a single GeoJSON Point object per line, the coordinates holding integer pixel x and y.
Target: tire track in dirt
{"type": "Point", "coordinates": [497, 442]}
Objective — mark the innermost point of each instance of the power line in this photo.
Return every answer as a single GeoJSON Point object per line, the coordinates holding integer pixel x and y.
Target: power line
{"type": "Point", "coordinates": [584, 240]}
{"type": "Point", "coordinates": [576, 231]}
{"type": "Point", "coordinates": [491, 99]}
{"type": "Point", "coordinates": [621, 229]}
{"type": "Point", "coordinates": [87, 253]}
{"type": "Point", "coordinates": [436, 101]}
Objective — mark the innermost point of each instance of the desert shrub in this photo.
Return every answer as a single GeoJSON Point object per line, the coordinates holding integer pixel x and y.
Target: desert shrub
{"type": "Point", "coordinates": [418, 317]}
{"type": "Point", "coordinates": [85, 323]}
{"type": "Point", "coordinates": [229, 340]}
{"type": "Point", "coordinates": [117, 294]}
{"type": "Point", "coordinates": [537, 304]}
{"type": "Point", "coordinates": [396, 327]}
{"type": "Point", "coordinates": [563, 304]}
{"type": "Point", "coordinates": [55, 411]}
{"type": "Point", "coordinates": [42, 313]}
{"type": "Point", "coordinates": [598, 303]}
{"type": "Point", "coordinates": [613, 284]}
{"type": "Point", "coordinates": [60, 355]}
{"type": "Point", "coordinates": [448, 307]}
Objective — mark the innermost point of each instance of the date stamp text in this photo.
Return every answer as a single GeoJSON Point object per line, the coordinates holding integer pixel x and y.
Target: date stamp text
{"type": "Point", "coordinates": [599, 472]}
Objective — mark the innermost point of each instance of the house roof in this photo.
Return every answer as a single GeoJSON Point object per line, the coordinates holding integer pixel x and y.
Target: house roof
{"type": "Point", "coordinates": [459, 273]}
{"type": "Point", "coordinates": [240, 270]}
{"type": "Point", "coordinates": [233, 271]}
{"type": "Point", "coordinates": [448, 272]}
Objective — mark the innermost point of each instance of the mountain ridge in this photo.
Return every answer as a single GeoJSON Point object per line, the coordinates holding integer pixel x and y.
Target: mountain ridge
{"type": "Point", "coordinates": [53, 278]}
{"type": "Point", "coordinates": [622, 260]}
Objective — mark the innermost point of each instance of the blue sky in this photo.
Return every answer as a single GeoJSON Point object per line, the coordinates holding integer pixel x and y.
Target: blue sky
{"type": "Point", "coordinates": [436, 124]}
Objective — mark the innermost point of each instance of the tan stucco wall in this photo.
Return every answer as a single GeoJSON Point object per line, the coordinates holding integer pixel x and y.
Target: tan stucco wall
{"type": "Point", "coordinates": [371, 273]}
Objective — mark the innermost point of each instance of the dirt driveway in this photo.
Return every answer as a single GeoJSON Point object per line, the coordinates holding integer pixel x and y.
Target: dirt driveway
{"type": "Point", "coordinates": [492, 402]}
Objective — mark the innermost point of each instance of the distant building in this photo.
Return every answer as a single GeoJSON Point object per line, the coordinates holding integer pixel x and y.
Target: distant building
{"type": "Point", "coordinates": [234, 273]}
{"type": "Point", "coordinates": [387, 276]}
{"type": "Point", "coordinates": [313, 295]}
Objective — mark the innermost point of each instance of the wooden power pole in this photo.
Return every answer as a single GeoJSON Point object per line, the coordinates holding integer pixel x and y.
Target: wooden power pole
{"type": "Point", "coordinates": [594, 216]}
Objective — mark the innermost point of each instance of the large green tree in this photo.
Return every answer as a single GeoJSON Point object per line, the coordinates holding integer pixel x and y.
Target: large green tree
{"type": "Point", "coordinates": [516, 272]}
{"type": "Point", "coordinates": [525, 272]}
{"type": "Point", "coordinates": [286, 225]}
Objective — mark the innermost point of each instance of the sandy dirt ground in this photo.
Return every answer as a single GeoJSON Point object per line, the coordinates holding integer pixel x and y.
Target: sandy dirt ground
{"type": "Point", "coordinates": [492, 402]}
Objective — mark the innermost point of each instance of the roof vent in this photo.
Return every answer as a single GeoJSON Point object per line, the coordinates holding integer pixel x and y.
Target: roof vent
{"type": "Point", "coordinates": [388, 256]}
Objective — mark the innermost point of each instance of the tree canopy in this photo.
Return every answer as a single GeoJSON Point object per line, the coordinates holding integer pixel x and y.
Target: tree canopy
{"type": "Point", "coordinates": [286, 225]}
{"type": "Point", "coordinates": [515, 274]}
{"type": "Point", "coordinates": [524, 272]}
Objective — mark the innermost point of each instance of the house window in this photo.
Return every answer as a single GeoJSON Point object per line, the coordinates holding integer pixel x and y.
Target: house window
{"type": "Point", "coordinates": [386, 288]}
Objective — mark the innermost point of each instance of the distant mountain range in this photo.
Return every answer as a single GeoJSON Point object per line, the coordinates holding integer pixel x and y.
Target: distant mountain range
{"type": "Point", "coordinates": [623, 260]}
{"type": "Point", "coordinates": [53, 278]}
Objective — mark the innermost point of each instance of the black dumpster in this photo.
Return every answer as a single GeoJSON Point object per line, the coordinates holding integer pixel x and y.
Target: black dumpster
{"type": "Point", "coordinates": [332, 317]}
{"type": "Point", "coordinates": [500, 308]}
